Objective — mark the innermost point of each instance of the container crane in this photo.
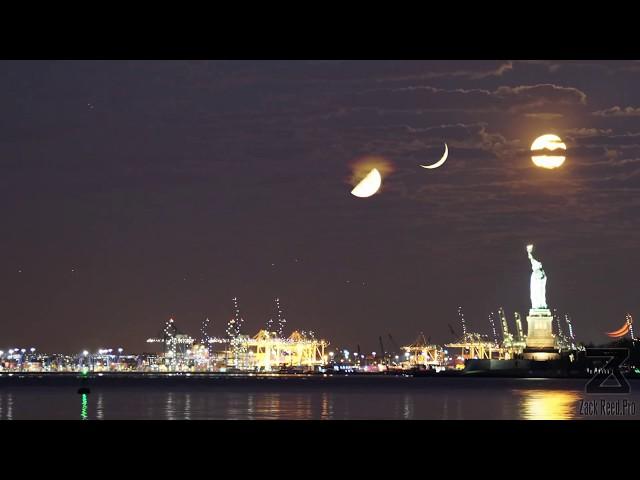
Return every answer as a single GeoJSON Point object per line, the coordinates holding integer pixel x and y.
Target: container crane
{"type": "Point", "coordinates": [519, 332]}
{"type": "Point", "coordinates": [507, 338]}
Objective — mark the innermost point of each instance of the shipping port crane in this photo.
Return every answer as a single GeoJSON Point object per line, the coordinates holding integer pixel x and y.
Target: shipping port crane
{"type": "Point", "coordinates": [507, 338]}
{"type": "Point", "coordinates": [567, 319]}
{"type": "Point", "coordinates": [493, 328]}
{"type": "Point", "coordinates": [382, 352]}
{"type": "Point", "coordinates": [395, 345]}
{"type": "Point", "coordinates": [464, 324]}
{"type": "Point", "coordinates": [453, 332]}
{"type": "Point", "coordinates": [422, 353]}
{"type": "Point", "coordinates": [519, 332]}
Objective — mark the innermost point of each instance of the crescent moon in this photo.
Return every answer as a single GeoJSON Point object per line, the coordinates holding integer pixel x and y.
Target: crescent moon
{"type": "Point", "coordinates": [439, 162]}
{"type": "Point", "coordinates": [369, 185]}
{"type": "Point", "coordinates": [621, 332]}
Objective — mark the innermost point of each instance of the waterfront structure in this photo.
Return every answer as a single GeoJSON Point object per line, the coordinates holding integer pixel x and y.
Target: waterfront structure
{"type": "Point", "coordinates": [513, 344]}
{"type": "Point", "coordinates": [474, 346]}
{"type": "Point", "coordinates": [237, 341]}
{"type": "Point", "coordinates": [279, 323]}
{"type": "Point", "coordinates": [422, 352]}
{"type": "Point", "coordinates": [176, 346]}
{"type": "Point", "coordinates": [267, 351]}
{"type": "Point", "coordinates": [541, 343]}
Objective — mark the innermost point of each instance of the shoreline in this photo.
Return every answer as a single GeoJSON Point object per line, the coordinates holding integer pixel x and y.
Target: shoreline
{"type": "Point", "coordinates": [53, 378]}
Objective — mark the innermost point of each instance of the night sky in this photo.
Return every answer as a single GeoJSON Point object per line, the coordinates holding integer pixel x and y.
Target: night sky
{"type": "Point", "coordinates": [133, 191]}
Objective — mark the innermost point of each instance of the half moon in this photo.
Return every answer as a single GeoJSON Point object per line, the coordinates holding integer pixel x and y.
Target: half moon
{"type": "Point", "coordinates": [369, 185]}
{"type": "Point", "coordinates": [439, 162]}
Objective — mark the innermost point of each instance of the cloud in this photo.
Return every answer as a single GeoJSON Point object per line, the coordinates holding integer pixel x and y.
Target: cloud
{"type": "Point", "coordinates": [587, 132]}
{"type": "Point", "coordinates": [618, 112]}
{"type": "Point", "coordinates": [544, 115]}
{"type": "Point", "coordinates": [504, 98]}
{"type": "Point", "coordinates": [474, 70]}
{"type": "Point", "coordinates": [564, 66]}
{"type": "Point", "coordinates": [543, 94]}
{"type": "Point", "coordinates": [605, 138]}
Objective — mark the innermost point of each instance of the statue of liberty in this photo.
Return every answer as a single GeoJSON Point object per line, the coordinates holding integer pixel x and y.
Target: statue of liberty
{"type": "Point", "coordinates": [538, 282]}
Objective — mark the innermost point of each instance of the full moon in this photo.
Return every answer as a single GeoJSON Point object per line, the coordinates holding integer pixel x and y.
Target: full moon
{"type": "Point", "coordinates": [545, 147]}
{"type": "Point", "coordinates": [369, 185]}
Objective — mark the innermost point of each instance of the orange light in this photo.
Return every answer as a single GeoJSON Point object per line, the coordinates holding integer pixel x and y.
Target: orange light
{"type": "Point", "coordinates": [621, 332]}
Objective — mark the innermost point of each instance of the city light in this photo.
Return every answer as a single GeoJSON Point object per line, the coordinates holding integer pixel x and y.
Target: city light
{"type": "Point", "coordinates": [268, 351]}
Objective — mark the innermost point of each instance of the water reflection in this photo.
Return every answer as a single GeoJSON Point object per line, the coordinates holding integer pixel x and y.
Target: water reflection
{"type": "Point", "coordinates": [326, 408]}
{"type": "Point", "coordinates": [187, 407]}
{"type": "Point", "coordinates": [6, 404]}
{"type": "Point", "coordinates": [548, 404]}
{"type": "Point", "coordinates": [84, 409]}
{"type": "Point", "coordinates": [250, 406]}
{"type": "Point", "coordinates": [407, 411]}
{"type": "Point", "coordinates": [275, 407]}
{"type": "Point", "coordinates": [484, 399]}
{"type": "Point", "coordinates": [303, 408]}
{"type": "Point", "coordinates": [99, 408]}
{"type": "Point", "coordinates": [169, 407]}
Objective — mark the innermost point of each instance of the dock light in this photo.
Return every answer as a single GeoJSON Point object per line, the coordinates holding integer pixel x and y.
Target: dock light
{"type": "Point", "coordinates": [346, 353]}
{"type": "Point", "coordinates": [397, 357]}
{"type": "Point", "coordinates": [11, 351]}
{"type": "Point", "coordinates": [407, 354]}
{"type": "Point", "coordinates": [120, 350]}
{"type": "Point", "coordinates": [85, 353]}
{"type": "Point", "coordinates": [32, 349]}
{"type": "Point", "coordinates": [1, 352]}
{"type": "Point", "coordinates": [373, 353]}
{"type": "Point", "coordinates": [331, 354]}
{"type": "Point", "coordinates": [22, 350]}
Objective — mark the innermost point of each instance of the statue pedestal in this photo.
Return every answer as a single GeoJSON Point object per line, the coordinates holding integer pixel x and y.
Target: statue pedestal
{"type": "Point", "coordinates": [541, 343]}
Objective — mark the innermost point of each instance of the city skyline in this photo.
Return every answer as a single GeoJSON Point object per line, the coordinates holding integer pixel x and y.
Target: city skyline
{"type": "Point", "coordinates": [133, 192]}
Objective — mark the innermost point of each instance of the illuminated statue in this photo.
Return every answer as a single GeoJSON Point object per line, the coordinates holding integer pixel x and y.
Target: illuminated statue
{"type": "Point", "coordinates": [538, 282]}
